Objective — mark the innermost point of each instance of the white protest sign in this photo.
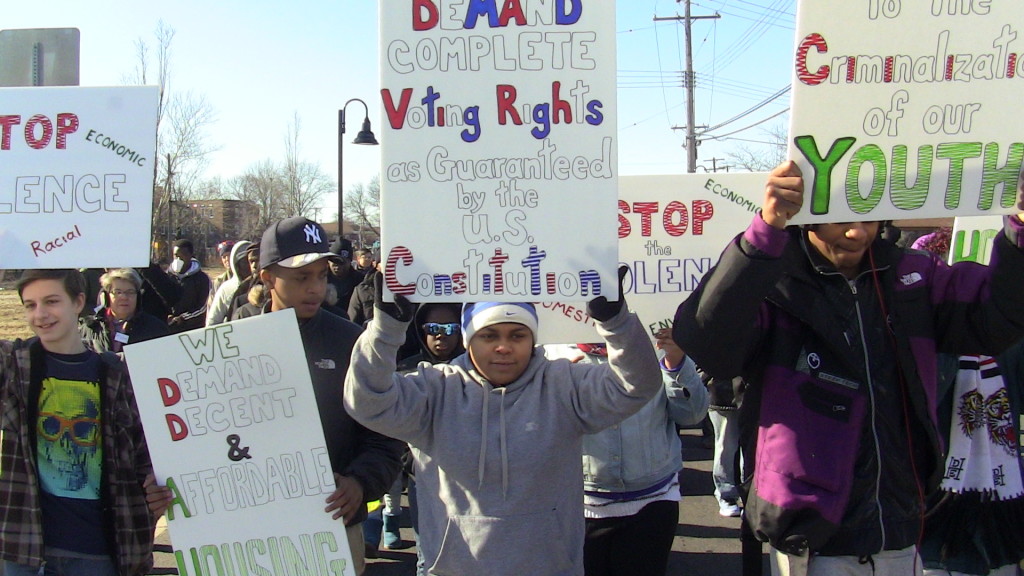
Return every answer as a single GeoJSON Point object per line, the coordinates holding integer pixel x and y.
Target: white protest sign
{"type": "Point", "coordinates": [972, 238]}
{"type": "Point", "coordinates": [672, 230]}
{"type": "Point", "coordinates": [499, 149]}
{"type": "Point", "coordinates": [233, 429]}
{"type": "Point", "coordinates": [76, 176]}
{"type": "Point", "coordinates": [905, 108]}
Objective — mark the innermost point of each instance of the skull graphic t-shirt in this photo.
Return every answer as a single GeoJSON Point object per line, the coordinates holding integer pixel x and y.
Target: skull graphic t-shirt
{"type": "Point", "coordinates": [69, 453]}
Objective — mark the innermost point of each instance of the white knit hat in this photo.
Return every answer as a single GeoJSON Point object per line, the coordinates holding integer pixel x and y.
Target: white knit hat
{"type": "Point", "coordinates": [483, 314]}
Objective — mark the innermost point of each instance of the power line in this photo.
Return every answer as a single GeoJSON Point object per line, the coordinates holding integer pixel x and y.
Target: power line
{"type": "Point", "coordinates": [749, 37]}
{"type": "Point", "coordinates": [754, 125]}
{"type": "Point", "coordinates": [752, 109]}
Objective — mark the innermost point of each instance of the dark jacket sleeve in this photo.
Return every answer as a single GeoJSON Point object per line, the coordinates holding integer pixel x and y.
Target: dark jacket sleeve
{"type": "Point", "coordinates": [979, 309]}
{"type": "Point", "coordinates": [719, 324]}
{"type": "Point", "coordinates": [162, 292]}
{"type": "Point", "coordinates": [360, 308]}
{"type": "Point", "coordinates": [195, 293]}
{"type": "Point", "coordinates": [377, 463]}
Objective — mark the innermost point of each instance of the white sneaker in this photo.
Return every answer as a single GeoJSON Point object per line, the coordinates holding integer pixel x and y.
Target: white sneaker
{"type": "Point", "coordinates": [729, 509]}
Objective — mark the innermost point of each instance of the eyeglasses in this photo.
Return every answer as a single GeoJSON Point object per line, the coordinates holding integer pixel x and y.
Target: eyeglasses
{"type": "Point", "coordinates": [435, 329]}
{"type": "Point", "coordinates": [84, 431]}
{"type": "Point", "coordinates": [127, 293]}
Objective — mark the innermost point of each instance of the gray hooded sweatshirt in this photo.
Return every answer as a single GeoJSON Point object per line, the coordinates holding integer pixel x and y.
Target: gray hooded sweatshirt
{"type": "Point", "coordinates": [498, 470]}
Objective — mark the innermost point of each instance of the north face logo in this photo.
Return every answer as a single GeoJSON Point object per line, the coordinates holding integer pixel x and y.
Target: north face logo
{"type": "Point", "coordinates": [912, 278]}
{"type": "Point", "coordinates": [312, 234]}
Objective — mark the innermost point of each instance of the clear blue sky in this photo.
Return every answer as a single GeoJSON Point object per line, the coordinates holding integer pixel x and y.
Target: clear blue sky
{"type": "Point", "coordinates": [259, 62]}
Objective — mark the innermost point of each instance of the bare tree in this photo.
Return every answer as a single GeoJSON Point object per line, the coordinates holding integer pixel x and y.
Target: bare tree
{"type": "Point", "coordinates": [306, 183]}
{"type": "Point", "coordinates": [182, 120]}
{"type": "Point", "coordinates": [764, 156]}
{"type": "Point", "coordinates": [263, 185]}
{"type": "Point", "coordinates": [182, 140]}
{"type": "Point", "coordinates": [362, 205]}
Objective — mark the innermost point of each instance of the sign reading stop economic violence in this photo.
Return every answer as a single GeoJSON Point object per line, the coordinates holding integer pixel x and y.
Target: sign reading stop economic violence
{"type": "Point", "coordinates": [671, 231]}
{"type": "Point", "coordinates": [907, 108]}
{"type": "Point", "coordinates": [76, 176]}
{"type": "Point", "coordinates": [233, 430]}
{"type": "Point", "coordinates": [499, 161]}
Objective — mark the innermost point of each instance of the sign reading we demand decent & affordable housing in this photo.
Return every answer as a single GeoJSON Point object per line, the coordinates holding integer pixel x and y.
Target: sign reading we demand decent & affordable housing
{"type": "Point", "coordinates": [76, 176]}
{"type": "Point", "coordinates": [499, 175]}
{"type": "Point", "coordinates": [907, 108]}
{"type": "Point", "coordinates": [233, 429]}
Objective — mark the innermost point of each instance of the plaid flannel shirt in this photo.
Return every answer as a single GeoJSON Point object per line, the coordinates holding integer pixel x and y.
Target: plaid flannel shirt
{"type": "Point", "coordinates": [129, 526]}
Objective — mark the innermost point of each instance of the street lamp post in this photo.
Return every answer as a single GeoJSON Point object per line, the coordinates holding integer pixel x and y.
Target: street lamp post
{"type": "Point", "coordinates": [365, 136]}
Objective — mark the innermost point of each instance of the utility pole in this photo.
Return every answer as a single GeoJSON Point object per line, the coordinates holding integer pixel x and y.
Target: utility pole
{"type": "Point", "coordinates": [688, 80]}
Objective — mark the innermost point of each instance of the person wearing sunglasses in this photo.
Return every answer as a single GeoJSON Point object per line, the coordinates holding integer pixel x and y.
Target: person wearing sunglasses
{"type": "Point", "coordinates": [77, 492]}
{"type": "Point", "coordinates": [120, 320]}
{"type": "Point", "coordinates": [439, 335]}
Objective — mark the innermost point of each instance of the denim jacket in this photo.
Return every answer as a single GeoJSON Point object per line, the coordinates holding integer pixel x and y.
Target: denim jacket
{"type": "Point", "coordinates": [645, 448]}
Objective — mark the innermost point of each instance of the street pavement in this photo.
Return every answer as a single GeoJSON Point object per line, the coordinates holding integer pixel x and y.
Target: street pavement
{"type": "Point", "coordinates": [705, 543]}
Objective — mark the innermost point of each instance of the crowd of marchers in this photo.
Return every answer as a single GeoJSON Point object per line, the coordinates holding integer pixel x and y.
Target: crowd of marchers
{"type": "Point", "coordinates": [865, 401]}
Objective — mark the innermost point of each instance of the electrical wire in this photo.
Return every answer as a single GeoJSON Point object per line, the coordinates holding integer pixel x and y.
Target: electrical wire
{"type": "Point", "coordinates": [754, 125]}
{"type": "Point", "coordinates": [751, 35]}
{"type": "Point", "coordinates": [752, 109]}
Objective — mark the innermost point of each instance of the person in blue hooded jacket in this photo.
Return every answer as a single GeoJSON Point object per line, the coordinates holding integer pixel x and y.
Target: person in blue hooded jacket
{"type": "Point", "coordinates": [631, 470]}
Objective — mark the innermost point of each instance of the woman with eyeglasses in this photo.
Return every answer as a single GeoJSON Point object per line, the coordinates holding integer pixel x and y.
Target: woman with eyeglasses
{"type": "Point", "coordinates": [120, 321]}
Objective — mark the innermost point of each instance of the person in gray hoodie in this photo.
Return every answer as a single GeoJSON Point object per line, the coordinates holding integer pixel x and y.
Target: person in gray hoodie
{"type": "Point", "coordinates": [497, 433]}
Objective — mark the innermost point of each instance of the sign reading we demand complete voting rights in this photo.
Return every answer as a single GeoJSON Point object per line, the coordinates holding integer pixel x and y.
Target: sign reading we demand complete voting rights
{"type": "Point", "coordinates": [907, 108]}
{"type": "Point", "coordinates": [234, 431]}
{"type": "Point", "coordinates": [499, 174]}
{"type": "Point", "coordinates": [76, 176]}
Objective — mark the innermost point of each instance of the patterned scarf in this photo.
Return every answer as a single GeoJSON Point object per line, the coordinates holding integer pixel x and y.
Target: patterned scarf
{"type": "Point", "coordinates": [983, 439]}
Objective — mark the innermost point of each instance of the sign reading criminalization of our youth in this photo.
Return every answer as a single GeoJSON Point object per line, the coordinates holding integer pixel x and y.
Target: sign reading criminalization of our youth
{"type": "Point", "coordinates": [499, 160]}
{"type": "Point", "coordinates": [233, 429]}
{"type": "Point", "coordinates": [907, 108]}
{"type": "Point", "coordinates": [671, 231]}
{"type": "Point", "coordinates": [76, 176]}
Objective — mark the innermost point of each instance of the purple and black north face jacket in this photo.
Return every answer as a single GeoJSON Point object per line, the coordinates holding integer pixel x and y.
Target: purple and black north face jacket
{"type": "Point", "coordinates": [846, 442]}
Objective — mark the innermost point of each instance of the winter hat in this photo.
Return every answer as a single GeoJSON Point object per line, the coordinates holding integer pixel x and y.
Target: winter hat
{"type": "Point", "coordinates": [342, 247]}
{"type": "Point", "coordinates": [224, 248]}
{"type": "Point", "coordinates": [483, 314]}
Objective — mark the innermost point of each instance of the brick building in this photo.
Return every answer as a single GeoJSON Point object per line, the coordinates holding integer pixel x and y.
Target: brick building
{"type": "Point", "coordinates": [208, 222]}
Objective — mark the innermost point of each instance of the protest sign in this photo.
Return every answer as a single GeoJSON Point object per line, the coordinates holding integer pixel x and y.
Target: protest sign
{"type": "Point", "coordinates": [234, 431]}
{"type": "Point", "coordinates": [499, 149]}
{"type": "Point", "coordinates": [76, 176]}
{"type": "Point", "coordinates": [972, 238]}
{"type": "Point", "coordinates": [903, 108]}
{"type": "Point", "coordinates": [671, 231]}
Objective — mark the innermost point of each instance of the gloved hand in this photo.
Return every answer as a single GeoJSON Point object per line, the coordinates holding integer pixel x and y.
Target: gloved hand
{"type": "Point", "coordinates": [601, 309]}
{"type": "Point", "coordinates": [401, 309]}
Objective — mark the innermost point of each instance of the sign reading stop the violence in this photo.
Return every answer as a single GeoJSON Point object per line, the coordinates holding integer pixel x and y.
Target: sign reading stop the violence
{"type": "Point", "coordinates": [671, 231]}
{"type": "Point", "coordinates": [234, 431]}
{"type": "Point", "coordinates": [907, 108]}
{"type": "Point", "coordinates": [499, 174]}
{"type": "Point", "coordinates": [76, 176]}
